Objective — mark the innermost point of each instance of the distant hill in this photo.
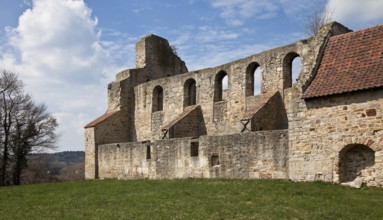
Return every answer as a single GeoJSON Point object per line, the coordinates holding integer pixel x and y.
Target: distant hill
{"type": "Point", "coordinates": [68, 157]}
{"type": "Point", "coordinates": [60, 166]}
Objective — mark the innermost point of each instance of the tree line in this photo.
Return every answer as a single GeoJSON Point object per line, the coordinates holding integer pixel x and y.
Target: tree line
{"type": "Point", "coordinates": [24, 127]}
{"type": "Point", "coordinates": [54, 167]}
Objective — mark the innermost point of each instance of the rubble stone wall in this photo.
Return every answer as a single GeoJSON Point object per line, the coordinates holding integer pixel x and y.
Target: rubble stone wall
{"type": "Point", "coordinates": [320, 128]}
{"type": "Point", "coordinates": [320, 136]}
{"type": "Point", "coordinates": [252, 155]}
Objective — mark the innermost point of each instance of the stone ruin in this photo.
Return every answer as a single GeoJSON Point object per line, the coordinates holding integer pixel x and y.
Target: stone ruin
{"type": "Point", "coordinates": [163, 121]}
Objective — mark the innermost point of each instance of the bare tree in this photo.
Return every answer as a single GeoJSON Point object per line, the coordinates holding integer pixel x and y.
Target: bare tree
{"type": "Point", "coordinates": [34, 127]}
{"type": "Point", "coordinates": [25, 126]}
{"type": "Point", "coordinates": [10, 87]}
{"type": "Point", "coordinates": [174, 49]}
{"type": "Point", "coordinates": [38, 170]}
{"type": "Point", "coordinates": [72, 172]}
{"type": "Point", "coordinates": [316, 20]}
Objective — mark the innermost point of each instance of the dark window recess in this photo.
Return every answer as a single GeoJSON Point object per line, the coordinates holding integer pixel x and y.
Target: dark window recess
{"type": "Point", "coordinates": [148, 155]}
{"type": "Point", "coordinates": [253, 79]}
{"type": "Point", "coordinates": [194, 149]}
{"type": "Point", "coordinates": [214, 160]}
{"type": "Point", "coordinates": [158, 99]}
{"type": "Point", "coordinates": [190, 92]}
{"type": "Point", "coordinates": [291, 69]}
{"type": "Point", "coordinates": [221, 84]}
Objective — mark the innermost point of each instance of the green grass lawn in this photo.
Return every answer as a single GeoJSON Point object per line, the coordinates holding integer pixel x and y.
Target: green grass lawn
{"type": "Point", "coordinates": [189, 199]}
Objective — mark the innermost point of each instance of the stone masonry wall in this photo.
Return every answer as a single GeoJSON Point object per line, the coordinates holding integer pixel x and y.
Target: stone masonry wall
{"type": "Point", "coordinates": [271, 117]}
{"type": "Point", "coordinates": [320, 128]}
{"type": "Point", "coordinates": [224, 117]}
{"type": "Point", "coordinates": [251, 155]}
{"type": "Point", "coordinates": [189, 126]}
{"type": "Point", "coordinates": [90, 154]}
{"type": "Point", "coordinates": [110, 130]}
{"type": "Point", "coordinates": [322, 133]}
{"type": "Point", "coordinates": [156, 57]}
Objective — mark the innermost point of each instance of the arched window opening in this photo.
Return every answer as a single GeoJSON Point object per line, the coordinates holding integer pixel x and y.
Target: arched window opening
{"type": "Point", "coordinates": [221, 85]}
{"type": "Point", "coordinates": [190, 92]}
{"type": "Point", "coordinates": [257, 75]}
{"type": "Point", "coordinates": [158, 99]}
{"type": "Point", "coordinates": [353, 160]}
{"type": "Point", "coordinates": [296, 68]}
{"type": "Point", "coordinates": [225, 83]}
{"type": "Point", "coordinates": [292, 66]}
{"type": "Point", "coordinates": [253, 79]}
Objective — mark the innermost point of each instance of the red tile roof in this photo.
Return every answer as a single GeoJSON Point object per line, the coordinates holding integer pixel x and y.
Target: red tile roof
{"type": "Point", "coordinates": [100, 119]}
{"type": "Point", "coordinates": [351, 62]}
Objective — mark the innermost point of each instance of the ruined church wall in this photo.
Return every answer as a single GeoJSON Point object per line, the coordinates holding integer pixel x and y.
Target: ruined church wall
{"type": "Point", "coordinates": [253, 155]}
{"type": "Point", "coordinates": [222, 117]}
{"type": "Point", "coordinates": [320, 128]}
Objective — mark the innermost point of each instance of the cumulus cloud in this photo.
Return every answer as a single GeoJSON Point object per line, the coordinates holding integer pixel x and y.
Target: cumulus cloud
{"type": "Point", "coordinates": [355, 10]}
{"type": "Point", "coordinates": [58, 37]}
{"type": "Point", "coordinates": [56, 51]}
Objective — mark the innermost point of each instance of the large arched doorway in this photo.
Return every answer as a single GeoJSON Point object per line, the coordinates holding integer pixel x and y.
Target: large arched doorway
{"type": "Point", "coordinates": [353, 160]}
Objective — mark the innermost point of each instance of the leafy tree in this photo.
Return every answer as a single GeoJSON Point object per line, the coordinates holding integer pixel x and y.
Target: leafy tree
{"type": "Point", "coordinates": [25, 127]}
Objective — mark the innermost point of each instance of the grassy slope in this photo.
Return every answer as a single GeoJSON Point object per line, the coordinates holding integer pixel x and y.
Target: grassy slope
{"type": "Point", "coordinates": [189, 199]}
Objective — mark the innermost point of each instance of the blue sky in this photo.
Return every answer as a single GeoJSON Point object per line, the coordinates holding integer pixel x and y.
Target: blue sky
{"type": "Point", "coordinates": [66, 51]}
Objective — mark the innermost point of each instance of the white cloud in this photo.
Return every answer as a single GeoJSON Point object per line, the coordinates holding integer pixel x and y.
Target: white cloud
{"type": "Point", "coordinates": [236, 12]}
{"type": "Point", "coordinates": [209, 34]}
{"type": "Point", "coordinates": [208, 46]}
{"type": "Point", "coordinates": [300, 9]}
{"type": "Point", "coordinates": [215, 55]}
{"type": "Point", "coordinates": [120, 46]}
{"type": "Point", "coordinates": [356, 11]}
{"type": "Point", "coordinates": [56, 51]}
{"type": "Point", "coordinates": [27, 3]}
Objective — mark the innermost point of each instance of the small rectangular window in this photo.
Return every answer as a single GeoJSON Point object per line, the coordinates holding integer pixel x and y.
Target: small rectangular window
{"type": "Point", "coordinates": [214, 160]}
{"type": "Point", "coordinates": [194, 149]}
{"type": "Point", "coordinates": [148, 155]}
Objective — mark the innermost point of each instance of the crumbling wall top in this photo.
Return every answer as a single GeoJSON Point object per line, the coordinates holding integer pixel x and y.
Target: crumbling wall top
{"type": "Point", "coordinates": [155, 54]}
